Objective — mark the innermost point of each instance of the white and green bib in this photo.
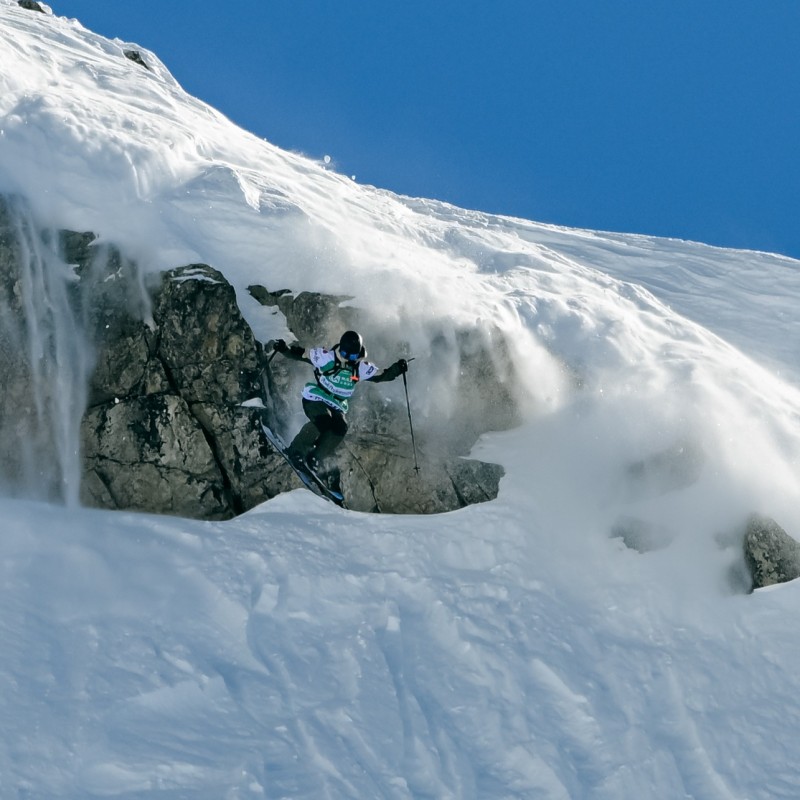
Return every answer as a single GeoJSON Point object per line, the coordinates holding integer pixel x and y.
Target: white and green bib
{"type": "Point", "coordinates": [335, 380]}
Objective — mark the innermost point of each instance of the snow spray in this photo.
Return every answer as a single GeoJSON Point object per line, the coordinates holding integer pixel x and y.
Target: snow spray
{"type": "Point", "coordinates": [45, 361]}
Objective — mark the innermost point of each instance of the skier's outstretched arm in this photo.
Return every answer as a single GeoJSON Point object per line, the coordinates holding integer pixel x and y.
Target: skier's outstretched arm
{"type": "Point", "coordinates": [295, 352]}
{"type": "Point", "coordinates": [390, 373]}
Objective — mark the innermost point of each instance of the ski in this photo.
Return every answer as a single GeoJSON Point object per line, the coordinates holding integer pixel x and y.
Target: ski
{"type": "Point", "coordinates": [309, 478]}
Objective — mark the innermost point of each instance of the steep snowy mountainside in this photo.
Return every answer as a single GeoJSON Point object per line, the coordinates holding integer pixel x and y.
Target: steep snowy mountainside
{"type": "Point", "coordinates": [651, 327]}
{"type": "Point", "coordinates": [96, 142]}
{"type": "Point", "coordinates": [727, 291]}
{"type": "Point", "coordinates": [300, 652]}
{"type": "Point", "coordinates": [512, 649]}
{"type": "Point", "coordinates": [99, 143]}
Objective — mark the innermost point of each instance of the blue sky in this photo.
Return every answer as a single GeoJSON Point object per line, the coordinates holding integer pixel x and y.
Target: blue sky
{"type": "Point", "coordinates": [669, 117]}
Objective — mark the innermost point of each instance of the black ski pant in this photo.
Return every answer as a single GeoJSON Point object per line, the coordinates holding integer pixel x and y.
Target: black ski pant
{"type": "Point", "coordinates": [323, 433]}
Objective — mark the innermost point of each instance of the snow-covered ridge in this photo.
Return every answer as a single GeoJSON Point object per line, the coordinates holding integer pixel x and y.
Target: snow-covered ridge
{"type": "Point", "coordinates": [98, 143]}
{"type": "Point", "coordinates": [507, 650]}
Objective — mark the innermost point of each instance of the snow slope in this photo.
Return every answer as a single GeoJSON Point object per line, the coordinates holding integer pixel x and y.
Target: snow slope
{"type": "Point", "coordinates": [508, 650]}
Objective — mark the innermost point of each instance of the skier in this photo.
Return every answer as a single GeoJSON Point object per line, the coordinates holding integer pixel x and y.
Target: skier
{"type": "Point", "coordinates": [337, 372]}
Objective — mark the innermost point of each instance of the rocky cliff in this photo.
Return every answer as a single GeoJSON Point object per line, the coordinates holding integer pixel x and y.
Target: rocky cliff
{"type": "Point", "coordinates": [154, 390]}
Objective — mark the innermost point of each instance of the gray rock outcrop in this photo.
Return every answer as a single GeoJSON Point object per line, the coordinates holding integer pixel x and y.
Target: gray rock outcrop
{"type": "Point", "coordinates": [484, 378]}
{"type": "Point", "coordinates": [136, 57]}
{"type": "Point", "coordinates": [200, 351]}
{"type": "Point", "coordinates": [31, 5]}
{"type": "Point", "coordinates": [166, 407]}
{"type": "Point", "coordinates": [771, 555]}
{"type": "Point", "coordinates": [150, 395]}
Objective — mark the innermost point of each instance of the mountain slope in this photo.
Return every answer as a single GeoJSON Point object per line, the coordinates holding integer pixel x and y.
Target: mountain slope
{"type": "Point", "coordinates": [512, 649]}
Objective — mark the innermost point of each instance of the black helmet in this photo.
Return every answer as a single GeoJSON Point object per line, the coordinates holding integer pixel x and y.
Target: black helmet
{"type": "Point", "coordinates": [351, 346]}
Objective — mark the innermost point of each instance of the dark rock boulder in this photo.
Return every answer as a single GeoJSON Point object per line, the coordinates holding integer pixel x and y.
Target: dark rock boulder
{"type": "Point", "coordinates": [136, 57]}
{"type": "Point", "coordinates": [311, 316]}
{"type": "Point", "coordinates": [204, 343]}
{"type": "Point", "coordinates": [149, 454]}
{"type": "Point", "coordinates": [201, 350]}
{"type": "Point", "coordinates": [771, 555]}
{"type": "Point", "coordinates": [192, 366]}
{"type": "Point", "coordinates": [31, 5]}
{"type": "Point", "coordinates": [377, 474]}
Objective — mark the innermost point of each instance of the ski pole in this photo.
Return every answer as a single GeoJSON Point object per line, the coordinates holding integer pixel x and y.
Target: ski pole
{"type": "Point", "coordinates": [273, 353]}
{"type": "Point", "coordinates": [410, 423]}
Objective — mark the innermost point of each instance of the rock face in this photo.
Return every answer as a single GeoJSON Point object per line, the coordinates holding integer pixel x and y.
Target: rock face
{"type": "Point", "coordinates": [483, 374]}
{"type": "Point", "coordinates": [158, 403]}
{"type": "Point", "coordinates": [771, 555]}
{"type": "Point", "coordinates": [376, 462]}
{"type": "Point", "coordinates": [150, 447]}
{"type": "Point", "coordinates": [136, 57]}
{"type": "Point", "coordinates": [166, 430]}
{"type": "Point", "coordinates": [173, 416]}
{"type": "Point", "coordinates": [31, 5]}
{"type": "Point", "coordinates": [15, 368]}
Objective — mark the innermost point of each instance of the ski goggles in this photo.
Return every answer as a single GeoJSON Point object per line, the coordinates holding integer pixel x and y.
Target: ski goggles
{"type": "Point", "coordinates": [349, 356]}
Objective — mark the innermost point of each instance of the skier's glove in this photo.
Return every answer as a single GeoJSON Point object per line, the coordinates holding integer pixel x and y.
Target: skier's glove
{"type": "Point", "coordinates": [396, 369]}
{"type": "Point", "coordinates": [280, 346]}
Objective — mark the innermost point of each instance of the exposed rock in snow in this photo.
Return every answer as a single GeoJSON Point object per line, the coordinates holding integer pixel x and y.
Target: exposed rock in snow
{"type": "Point", "coordinates": [506, 650]}
{"type": "Point", "coordinates": [772, 556]}
{"type": "Point", "coordinates": [202, 353]}
{"type": "Point", "coordinates": [31, 5]}
{"type": "Point", "coordinates": [183, 380]}
{"type": "Point", "coordinates": [136, 57]}
{"type": "Point", "coordinates": [149, 454]}
{"type": "Point", "coordinates": [170, 424]}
